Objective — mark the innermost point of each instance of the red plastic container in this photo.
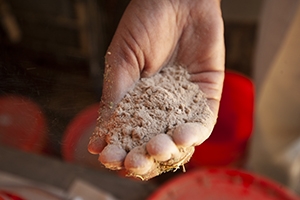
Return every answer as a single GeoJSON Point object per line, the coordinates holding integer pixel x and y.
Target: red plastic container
{"type": "Point", "coordinates": [26, 192]}
{"type": "Point", "coordinates": [228, 142]}
{"type": "Point", "coordinates": [22, 124]}
{"type": "Point", "coordinates": [76, 137]}
{"type": "Point", "coordinates": [221, 184]}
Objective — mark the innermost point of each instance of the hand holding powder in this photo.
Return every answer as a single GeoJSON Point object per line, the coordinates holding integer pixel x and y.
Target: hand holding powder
{"type": "Point", "coordinates": [151, 125]}
{"type": "Point", "coordinates": [156, 125]}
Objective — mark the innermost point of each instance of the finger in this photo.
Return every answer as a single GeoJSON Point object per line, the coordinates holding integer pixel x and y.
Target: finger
{"type": "Point", "coordinates": [161, 147]}
{"type": "Point", "coordinates": [112, 156]}
{"type": "Point", "coordinates": [119, 77]}
{"type": "Point", "coordinates": [191, 134]}
{"type": "Point", "coordinates": [138, 162]}
{"type": "Point", "coordinates": [96, 145]}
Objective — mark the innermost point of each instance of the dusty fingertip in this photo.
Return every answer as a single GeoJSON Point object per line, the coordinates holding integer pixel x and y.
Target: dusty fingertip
{"type": "Point", "coordinates": [190, 134]}
{"type": "Point", "coordinates": [161, 147]}
{"type": "Point", "coordinates": [138, 162]}
{"type": "Point", "coordinates": [96, 145]}
{"type": "Point", "coordinates": [112, 157]}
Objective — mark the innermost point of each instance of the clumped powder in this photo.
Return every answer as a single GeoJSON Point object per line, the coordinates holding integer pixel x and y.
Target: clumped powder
{"type": "Point", "coordinates": [156, 105]}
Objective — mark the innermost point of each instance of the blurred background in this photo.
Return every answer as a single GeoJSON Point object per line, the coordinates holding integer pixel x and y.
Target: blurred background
{"type": "Point", "coordinates": [51, 66]}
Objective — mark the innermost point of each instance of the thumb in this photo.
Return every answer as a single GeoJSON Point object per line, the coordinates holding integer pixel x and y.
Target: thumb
{"type": "Point", "coordinates": [122, 71]}
{"type": "Point", "coordinates": [136, 50]}
{"type": "Point", "coordinates": [119, 77]}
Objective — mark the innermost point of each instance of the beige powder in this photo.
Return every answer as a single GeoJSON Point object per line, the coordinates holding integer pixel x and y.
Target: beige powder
{"type": "Point", "coordinates": [156, 105]}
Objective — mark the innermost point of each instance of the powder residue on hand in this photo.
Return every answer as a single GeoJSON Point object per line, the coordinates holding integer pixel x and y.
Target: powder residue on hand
{"type": "Point", "coordinates": [156, 105]}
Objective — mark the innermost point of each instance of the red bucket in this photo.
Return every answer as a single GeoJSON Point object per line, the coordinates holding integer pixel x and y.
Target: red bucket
{"type": "Point", "coordinates": [221, 184]}
{"type": "Point", "coordinates": [228, 141]}
{"type": "Point", "coordinates": [76, 137]}
{"type": "Point", "coordinates": [22, 124]}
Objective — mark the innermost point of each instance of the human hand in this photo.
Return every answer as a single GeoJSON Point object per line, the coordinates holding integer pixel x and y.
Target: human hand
{"type": "Point", "coordinates": [152, 34]}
